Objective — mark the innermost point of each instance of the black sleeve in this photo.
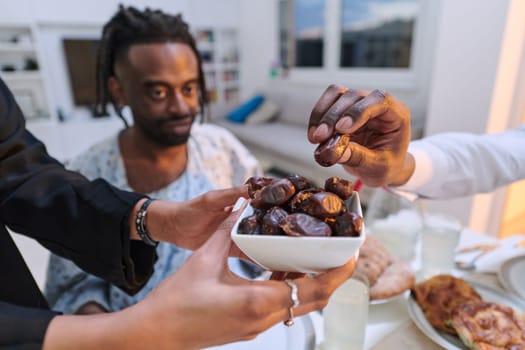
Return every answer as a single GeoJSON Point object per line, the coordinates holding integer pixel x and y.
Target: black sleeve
{"type": "Point", "coordinates": [84, 221]}
{"type": "Point", "coordinates": [22, 327]}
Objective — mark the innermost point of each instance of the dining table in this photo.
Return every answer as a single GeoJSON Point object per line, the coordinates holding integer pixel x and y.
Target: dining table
{"type": "Point", "coordinates": [390, 325]}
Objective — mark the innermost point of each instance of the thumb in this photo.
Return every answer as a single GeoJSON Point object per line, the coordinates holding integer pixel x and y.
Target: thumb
{"type": "Point", "coordinates": [362, 158]}
{"type": "Point", "coordinates": [219, 242]}
{"type": "Point", "coordinates": [371, 166]}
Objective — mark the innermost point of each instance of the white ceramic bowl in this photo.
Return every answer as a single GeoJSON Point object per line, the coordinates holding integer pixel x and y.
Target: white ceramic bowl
{"type": "Point", "coordinates": [299, 254]}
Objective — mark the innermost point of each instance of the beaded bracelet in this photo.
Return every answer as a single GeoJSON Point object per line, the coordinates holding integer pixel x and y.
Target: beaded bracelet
{"type": "Point", "coordinates": [140, 224]}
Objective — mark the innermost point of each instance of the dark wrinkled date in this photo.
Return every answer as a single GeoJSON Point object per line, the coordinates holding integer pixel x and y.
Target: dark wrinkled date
{"type": "Point", "coordinates": [341, 187]}
{"type": "Point", "coordinates": [329, 152]}
{"type": "Point", "coordinates": [250, 224]}
{"type": "Point", "coordinates": [322, 205]}
{"type": "Point", "coordinates": [348, 224]}
{"type": "Point", "coordinates": [292, 206]}
{"type": "Point", "coordinates": [299, 224]}
{"type": "Point", "coordinates": [271, 221]}
{"type": "Point", "coordinates": [275, 193]}
{"type": "Point", "coordinates": [255, 183]}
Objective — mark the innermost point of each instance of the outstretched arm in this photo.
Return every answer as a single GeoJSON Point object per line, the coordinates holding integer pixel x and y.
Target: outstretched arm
{"type": "Point", "coordinates": [457, 164]}
{"type": "Point", "coordinates": [445, 165]}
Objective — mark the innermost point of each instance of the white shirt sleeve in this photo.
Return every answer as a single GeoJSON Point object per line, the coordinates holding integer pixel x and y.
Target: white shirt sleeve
{"type": "Point", "coordinates": [458, 164]}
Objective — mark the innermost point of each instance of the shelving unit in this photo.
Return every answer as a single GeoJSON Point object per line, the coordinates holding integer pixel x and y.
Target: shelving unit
{"type": "Point", "coordinates": [219, 51]}
{"type": "Point", "coordinates": [21, 70]}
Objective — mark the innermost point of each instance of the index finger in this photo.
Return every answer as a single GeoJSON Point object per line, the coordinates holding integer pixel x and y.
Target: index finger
{"type": "Point", "coordinates": [327, 99]}
{"type": "Point", "coordinates": [220, 243]}
{"type": "Point", "coordinates": [330, 110]}
{"type": "Point", "coordinates": [371, 106]}
{"type": "Point", "coordinates": [221, 199]}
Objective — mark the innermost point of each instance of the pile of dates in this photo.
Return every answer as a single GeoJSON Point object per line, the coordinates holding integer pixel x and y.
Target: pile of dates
{"type": "Point", "coordinates": [292, 206]}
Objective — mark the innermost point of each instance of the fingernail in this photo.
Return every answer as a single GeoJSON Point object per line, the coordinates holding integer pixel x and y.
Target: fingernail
{"type": "Point", "coordinates": [238, 205]}
{"type": "Point", "coordinates": [344, 124]}
{"type": "Point", "coordinates": [311, 130]}
{"type": "Point", "coordinates": [321, 132]}
{"type": "Point", "coordinates": [346, 156]}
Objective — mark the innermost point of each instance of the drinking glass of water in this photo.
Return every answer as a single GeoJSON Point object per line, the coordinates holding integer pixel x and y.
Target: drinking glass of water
{"type": "Point", "coordinates": [346, 315]}
{"type": "Point", "coordinates": [396, 222]}
{"type": "Point", "coordinates": [439, 238]}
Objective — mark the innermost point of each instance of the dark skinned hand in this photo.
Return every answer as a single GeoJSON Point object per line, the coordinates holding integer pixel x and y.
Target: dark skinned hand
{"type": "Point", "coordinates": [378, 127]}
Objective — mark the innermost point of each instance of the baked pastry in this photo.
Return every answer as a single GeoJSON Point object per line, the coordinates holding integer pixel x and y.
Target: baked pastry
{"type": "Point", "coordinates": [485, 325]}
{"type": "Point", "coordinates": [387, 276]}
{"type": "Point", "coordinates": [396, 278]}
{"type": "Point", "coordinates": [373, 259]}
{"type": "Point", "coordinates": [439, 296]}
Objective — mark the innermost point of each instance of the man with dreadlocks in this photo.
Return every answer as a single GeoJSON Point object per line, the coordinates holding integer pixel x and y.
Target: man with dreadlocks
{"type": "Point", "coordinates": [148, 60]}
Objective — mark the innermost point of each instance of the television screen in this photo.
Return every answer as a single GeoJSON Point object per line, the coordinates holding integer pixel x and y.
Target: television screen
{"type": "Point", "coordinates": [81, 58]}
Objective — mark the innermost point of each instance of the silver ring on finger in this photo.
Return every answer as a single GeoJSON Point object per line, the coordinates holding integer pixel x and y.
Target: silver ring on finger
{"type": "Point", "coordinates": [295, 302]}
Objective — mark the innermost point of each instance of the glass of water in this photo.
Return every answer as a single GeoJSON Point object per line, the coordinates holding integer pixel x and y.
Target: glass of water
{"type": "Point", "coordinates": [396, 222]}
{"type": "Point", "coordinates": [346, 315]}
{"type": "Point", "coordinates": [439, 238]}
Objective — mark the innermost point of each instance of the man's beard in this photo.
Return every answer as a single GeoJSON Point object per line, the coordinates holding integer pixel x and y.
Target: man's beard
{"type": "Point", "coordinates": [157, 132]}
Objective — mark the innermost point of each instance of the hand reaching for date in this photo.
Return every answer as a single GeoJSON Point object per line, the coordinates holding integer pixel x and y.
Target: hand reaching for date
{"type": "Point", "coordinates": [368, 133]}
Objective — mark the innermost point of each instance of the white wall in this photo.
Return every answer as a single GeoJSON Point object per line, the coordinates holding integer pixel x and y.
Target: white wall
{"type": "Point", "coordinates": [506, 110]}
{"type": "Point", "coordinates": [514, 208]}
{"type": "Point", "coordinates": [463, 75]}
{"type": "Point", "coordinates": [475, 84]}
{"type": "Point", "coordinates": [467, 53]}
{"type": "Point", "coordinates": [259, 31]}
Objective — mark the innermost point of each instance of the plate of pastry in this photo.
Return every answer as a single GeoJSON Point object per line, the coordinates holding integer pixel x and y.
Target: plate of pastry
{"type": "Point", "coordinates": [455, 312]}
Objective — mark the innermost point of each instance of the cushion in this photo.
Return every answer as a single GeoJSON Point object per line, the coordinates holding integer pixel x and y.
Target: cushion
{"type": "Point", "coordinates": [239, 114]}
{"type": "Point", "coordinates": [264, 113]}
{"type": "Point", "coordinates": [298, 106]}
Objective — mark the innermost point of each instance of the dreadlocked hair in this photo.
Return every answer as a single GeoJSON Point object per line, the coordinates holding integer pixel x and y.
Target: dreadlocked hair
{"type": "Point", "coordinates": [130, 26]}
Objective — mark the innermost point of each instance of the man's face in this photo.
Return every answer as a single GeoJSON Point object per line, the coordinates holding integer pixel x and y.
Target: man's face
{"type": "Point", "coordinates": [159, 82]}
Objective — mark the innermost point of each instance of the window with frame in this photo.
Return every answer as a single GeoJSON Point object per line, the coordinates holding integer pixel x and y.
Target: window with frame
{"type": "Point", "coordinates": [377, 33]}
{"type": "Point", "coordinates": [301, 28]}
{"type": "Point", "coordinates": [373, 33]}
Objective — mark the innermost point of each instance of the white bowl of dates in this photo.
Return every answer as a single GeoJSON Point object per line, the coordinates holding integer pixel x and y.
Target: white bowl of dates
{"type": "Point", "coordinates": [293, 226]}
